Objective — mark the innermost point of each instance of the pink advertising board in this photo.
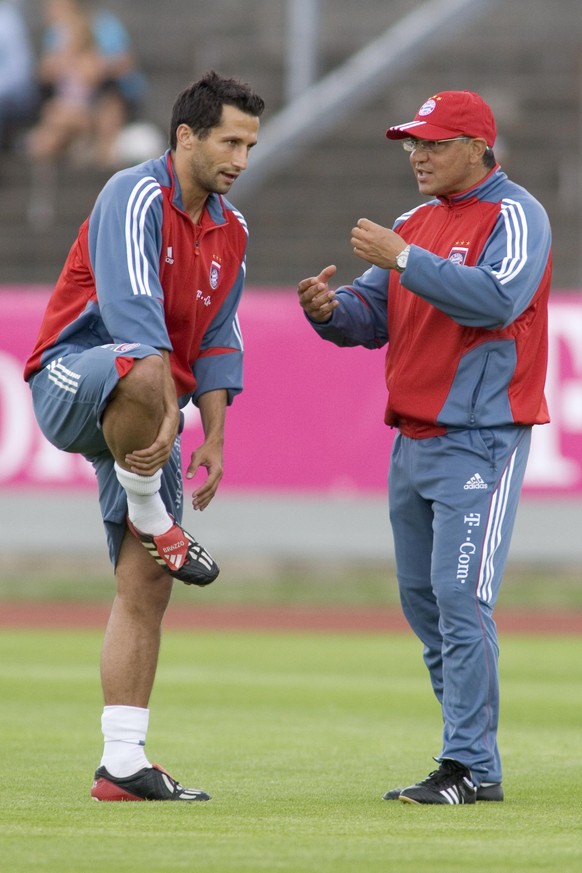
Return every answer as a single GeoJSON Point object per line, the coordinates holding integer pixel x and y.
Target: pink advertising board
{"type": "Point", "coordinates": [311, 416]}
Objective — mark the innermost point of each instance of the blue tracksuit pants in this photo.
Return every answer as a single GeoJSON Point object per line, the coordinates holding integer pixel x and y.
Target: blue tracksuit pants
{"type": "Point", "coordinates": [453, 501]}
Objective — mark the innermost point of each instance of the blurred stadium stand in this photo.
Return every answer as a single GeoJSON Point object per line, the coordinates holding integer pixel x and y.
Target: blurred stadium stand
{"type": "Point", "coordinates": [523, 57]}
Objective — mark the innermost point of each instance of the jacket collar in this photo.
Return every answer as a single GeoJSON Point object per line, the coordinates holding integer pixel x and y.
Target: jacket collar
{"type": "Point", "coordinates": [478, 191]}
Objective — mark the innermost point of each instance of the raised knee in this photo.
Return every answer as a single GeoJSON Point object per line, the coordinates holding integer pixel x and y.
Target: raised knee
{"type": "Point", "coordinates": [144, 382]}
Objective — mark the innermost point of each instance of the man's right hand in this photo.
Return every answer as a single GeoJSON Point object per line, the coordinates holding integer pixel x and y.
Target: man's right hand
{"type": "Point", "coordinates": [147, 461]}
{"type": "Point", "coordinates": [315, 296]}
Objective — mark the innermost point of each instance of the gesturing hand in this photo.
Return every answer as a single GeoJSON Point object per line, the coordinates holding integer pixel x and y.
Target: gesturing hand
{"type": "Point", "coordinates": [315, 296]}
{"type": "Point", "coordinates": [376, 244]}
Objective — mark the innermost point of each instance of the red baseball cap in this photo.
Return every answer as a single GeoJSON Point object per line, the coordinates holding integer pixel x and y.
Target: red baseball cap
{"type": "Point", "coordinates": [449, 114]}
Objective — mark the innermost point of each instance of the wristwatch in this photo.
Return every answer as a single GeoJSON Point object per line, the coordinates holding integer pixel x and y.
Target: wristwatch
{"type": "Point", "coordinates": [402, 259]}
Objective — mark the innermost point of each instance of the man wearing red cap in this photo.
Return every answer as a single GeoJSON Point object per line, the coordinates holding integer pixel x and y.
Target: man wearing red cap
{"type": "Point", "coordinates": [458, 289]}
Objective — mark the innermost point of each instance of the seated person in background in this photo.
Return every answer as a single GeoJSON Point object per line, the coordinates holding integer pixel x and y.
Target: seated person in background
{"type": "Point", "coordinates": [18, 89]}
{"type": "Point", "coordinates": [123, 88]}
{"type": "Point", "coordinates": [71, 72]}
{"type": "Point", "coordinates": [104, 85]}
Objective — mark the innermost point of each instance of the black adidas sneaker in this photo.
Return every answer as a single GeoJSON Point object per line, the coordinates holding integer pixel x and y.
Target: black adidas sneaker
{"type": "Point", "coordinates": [451, 783]}
{"type": "Point", "coordinates": [492, 791]}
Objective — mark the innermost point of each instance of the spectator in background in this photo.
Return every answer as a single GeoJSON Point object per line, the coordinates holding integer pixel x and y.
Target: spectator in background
{"type": "Point", "coordinates": [88, 72]}
{"type": "Point", "coordinates": [123, 87]}
{"type": "Point", "coordinates": [18, 89]}
{"type": "Point", "coordinates": [70, 72]}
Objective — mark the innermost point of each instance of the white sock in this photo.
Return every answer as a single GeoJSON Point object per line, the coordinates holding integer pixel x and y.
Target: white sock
{"type": "Point", "coordinates": [145, 506]}
{"type": "Point", "coordinates": [124, 733]}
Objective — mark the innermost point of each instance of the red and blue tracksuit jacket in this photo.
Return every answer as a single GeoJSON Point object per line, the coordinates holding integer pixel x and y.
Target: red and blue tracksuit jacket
{"type": "Point", "coordinates": [141, 272]}
{"type": "Point", "coordinates": [466, 322]}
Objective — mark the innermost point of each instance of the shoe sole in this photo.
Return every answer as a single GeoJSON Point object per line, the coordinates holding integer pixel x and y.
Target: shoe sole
{"type": "Point", "coordinates": [409, 800]}
{"type": "Point", "coordinates": [103, 791]}
{"type": "Point", "coordinates": [484, 795]}
{"type": "Point", "coordinates": [404, 799]}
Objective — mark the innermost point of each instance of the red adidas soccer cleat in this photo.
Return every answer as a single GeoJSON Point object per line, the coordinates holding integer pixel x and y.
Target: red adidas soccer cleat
{"type": "Point", "coordinates": [179, 553]}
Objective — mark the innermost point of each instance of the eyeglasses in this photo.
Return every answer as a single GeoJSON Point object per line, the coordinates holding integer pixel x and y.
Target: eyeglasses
{"type": "Point", "coordinates": [433, 146]}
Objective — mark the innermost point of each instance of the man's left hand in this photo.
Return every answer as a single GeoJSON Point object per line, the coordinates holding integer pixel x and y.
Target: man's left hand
{"type": "Point", "coordinates": [208, 455]}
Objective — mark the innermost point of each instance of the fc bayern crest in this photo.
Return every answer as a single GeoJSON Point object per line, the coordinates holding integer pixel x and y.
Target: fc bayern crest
{"type": "Point", "coordinates": [458, 255]}
{"type": "Point", "coordinates": [214, 275]}
{"type": "Point", "coordinates": [427, 107]}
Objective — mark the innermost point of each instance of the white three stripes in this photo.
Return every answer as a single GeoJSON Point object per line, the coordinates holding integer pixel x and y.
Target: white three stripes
{"type": "Point", "coordinates": [452, 794]}
{"type": "Point", "coordinates": [141, 198]}
{"type": "Point", "coordinates": [241, 220]}
{"type": "Point", "coordinates": [62, 377]}
{"type": "Point", "coordinates": [493, 532]}
{"type": "Point", "coordinates": [517, 238]}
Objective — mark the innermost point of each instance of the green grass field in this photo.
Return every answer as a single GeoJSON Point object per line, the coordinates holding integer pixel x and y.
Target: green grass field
{"type": "Point", "coordinates": [296, 736]}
